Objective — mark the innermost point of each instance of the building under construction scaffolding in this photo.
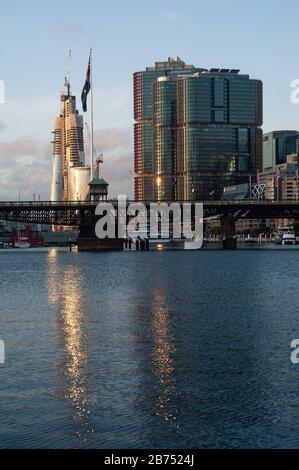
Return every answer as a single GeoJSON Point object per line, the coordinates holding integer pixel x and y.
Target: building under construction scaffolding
{"type": "Point", "coordinates": [70, 175]}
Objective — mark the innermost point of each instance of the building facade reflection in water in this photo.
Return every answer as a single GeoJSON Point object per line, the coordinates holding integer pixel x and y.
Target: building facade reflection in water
{"type": "Point", "coordinates": [66, 293]}
{"type": "Point", "coordinates": [163, 359]}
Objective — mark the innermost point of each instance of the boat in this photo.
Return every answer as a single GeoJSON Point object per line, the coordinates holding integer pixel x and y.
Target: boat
{"type": "Point", "coordinates": [22, 242]}
{"type": "Point", "coordinates": [28, 238]}
{"type": "Point", "coordinates": [19, 242]}
{"type": "Point", "coordinates": [285, 236]}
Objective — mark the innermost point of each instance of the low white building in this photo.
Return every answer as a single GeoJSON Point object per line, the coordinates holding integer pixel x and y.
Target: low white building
{"type": "Point", "coordinates": [78, 183]}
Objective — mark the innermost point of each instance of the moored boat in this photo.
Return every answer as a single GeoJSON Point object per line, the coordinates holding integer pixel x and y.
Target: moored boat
{"type": "Point", "coordinates": [22, 242]}
{"type": "Point", "coordinates": [285, 236]}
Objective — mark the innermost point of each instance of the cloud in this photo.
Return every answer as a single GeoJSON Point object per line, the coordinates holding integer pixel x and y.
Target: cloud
{"type": "Point", "coordinates": [117, 146]}
{"type": "Point", "coordinates": [76, 34]}
{"type": "Point", "coordinates": [113, 139]}
{"type": "Point", "coordinates": [20, 114]}
{"type": "Point", "coordinates": [75, 30]}
{"type": "Point", "coordinates": [21, 147]}
{"type": "Point", "coordinates": [25, 164]}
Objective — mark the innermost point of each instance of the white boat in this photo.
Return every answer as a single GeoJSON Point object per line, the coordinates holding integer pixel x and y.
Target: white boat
{"type": "Point", "coordinates": [22, 243]}
{"type": "Point", "coordinates": [285, 236]}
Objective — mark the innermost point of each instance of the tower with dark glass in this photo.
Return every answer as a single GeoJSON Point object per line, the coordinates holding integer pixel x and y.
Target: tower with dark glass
{"type": "Point", "coordinates": [196, 131]}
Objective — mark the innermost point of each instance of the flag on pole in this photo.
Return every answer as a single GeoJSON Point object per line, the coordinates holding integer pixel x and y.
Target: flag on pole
{"type": "Point", "coordinates": [258, 177]}
{"type": "Point", "coordinates": [86, 89]}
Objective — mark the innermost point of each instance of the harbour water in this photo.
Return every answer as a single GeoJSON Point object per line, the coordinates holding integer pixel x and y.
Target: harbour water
{"type": "Point", "coordinates": [149, 350]}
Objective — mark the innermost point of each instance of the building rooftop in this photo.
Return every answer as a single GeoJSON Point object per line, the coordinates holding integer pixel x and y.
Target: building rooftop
{"type": "Point", "coordinates": [179, 64]}
{"type": "Point", "coordinates": [234, 71]}
{"type": "Point", "coordinates": [98, 181]}
{"type": "Point", "coordinates": [172, 64]}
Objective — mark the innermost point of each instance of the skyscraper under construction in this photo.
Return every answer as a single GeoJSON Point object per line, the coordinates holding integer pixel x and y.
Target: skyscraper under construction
{"type": "Point", "coordinates": [70, 175]}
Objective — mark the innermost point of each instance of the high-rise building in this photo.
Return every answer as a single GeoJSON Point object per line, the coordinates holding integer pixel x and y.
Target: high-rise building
{"type": "Point", "coordinates": [70, 175]}
{"type": "Point", "coordinates": [196, 131]}
{"type": "Point", "coordinates": [144, 139]}
{"type": "Point", "coordinates": [277, 145]}
{"type": "Point", "coordinates": [282, 181]}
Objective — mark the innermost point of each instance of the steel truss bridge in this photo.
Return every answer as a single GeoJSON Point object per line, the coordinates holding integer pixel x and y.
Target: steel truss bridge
{"type": "Point", "coordinates": [83, 213]}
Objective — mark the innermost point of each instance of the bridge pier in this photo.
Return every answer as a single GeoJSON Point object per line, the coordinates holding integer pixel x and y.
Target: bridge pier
{"type": "Point", "coordinates": [87, 239]}
{"type": "Point", "coordinates": [228, 232]}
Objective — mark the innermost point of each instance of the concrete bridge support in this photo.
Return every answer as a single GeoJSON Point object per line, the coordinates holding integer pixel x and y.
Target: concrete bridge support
{"type": "Point", "coordinates": [228, 232]}
{"type": "Point", "coordinates": [87, 239]}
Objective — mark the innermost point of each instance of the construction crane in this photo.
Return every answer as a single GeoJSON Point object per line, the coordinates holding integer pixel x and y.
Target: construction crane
{"type": "Point", "coordinates": [99, 154]}
{"type": "Point", "coordinates": [68, 76]}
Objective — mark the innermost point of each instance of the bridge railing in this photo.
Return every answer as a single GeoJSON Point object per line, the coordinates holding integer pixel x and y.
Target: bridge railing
{"type": "Point", "coordinates": [80, 204]}
{"type": "Point", "coordinates": [253, 202]}
{"type": "Point", "coordinates": [45, 203]}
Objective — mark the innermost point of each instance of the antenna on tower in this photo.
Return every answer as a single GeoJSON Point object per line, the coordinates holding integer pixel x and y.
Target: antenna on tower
{"type": "Point", "coordinates": [68, 76]}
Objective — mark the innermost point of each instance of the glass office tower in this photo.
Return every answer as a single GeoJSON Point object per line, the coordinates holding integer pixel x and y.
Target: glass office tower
{"type": "Point", "coordinates": [204, 133]}
{"type": "Point", "coordinates": [164, 128]}
{"type": "Point", "coordinates": [145, 162]}
{"type": "Point", "coordinates": [277, 145]}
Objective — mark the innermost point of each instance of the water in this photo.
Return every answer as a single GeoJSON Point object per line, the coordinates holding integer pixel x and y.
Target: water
{"type": "Point", "coordinates": [149, 350]}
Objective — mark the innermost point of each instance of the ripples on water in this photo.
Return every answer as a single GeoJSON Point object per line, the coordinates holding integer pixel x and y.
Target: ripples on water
{"type": "Point", "coordinates": [166, 350]}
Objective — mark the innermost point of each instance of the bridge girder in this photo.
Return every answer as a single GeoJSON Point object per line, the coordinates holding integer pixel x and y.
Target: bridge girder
{"type": "Point", "coordinates": [77, 213]}
{"type": "Point", "coordinates": [44, 216]}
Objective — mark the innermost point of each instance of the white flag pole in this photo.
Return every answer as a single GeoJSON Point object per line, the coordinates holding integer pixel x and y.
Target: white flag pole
{"type": "Point", "coordinates": [91, 120]}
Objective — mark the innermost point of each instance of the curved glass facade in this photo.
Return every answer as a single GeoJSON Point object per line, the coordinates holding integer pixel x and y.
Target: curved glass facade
{"type": "Point", "coordinates": [194, 101]}
{"type": "Point", "coordinates": [165, 138]}
{"type": "Point", "coordinates": [154, 145]}
{"type": "Point", "coordinates": [205, 133]}
{"type": "Point", "coordinates": [218, 133]}
{"type": "Point", "coordinates": [143, 142]}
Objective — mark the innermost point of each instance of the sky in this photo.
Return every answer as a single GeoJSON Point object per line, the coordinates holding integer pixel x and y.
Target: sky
{"type": "Point", "coordinates": [258, 37]}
